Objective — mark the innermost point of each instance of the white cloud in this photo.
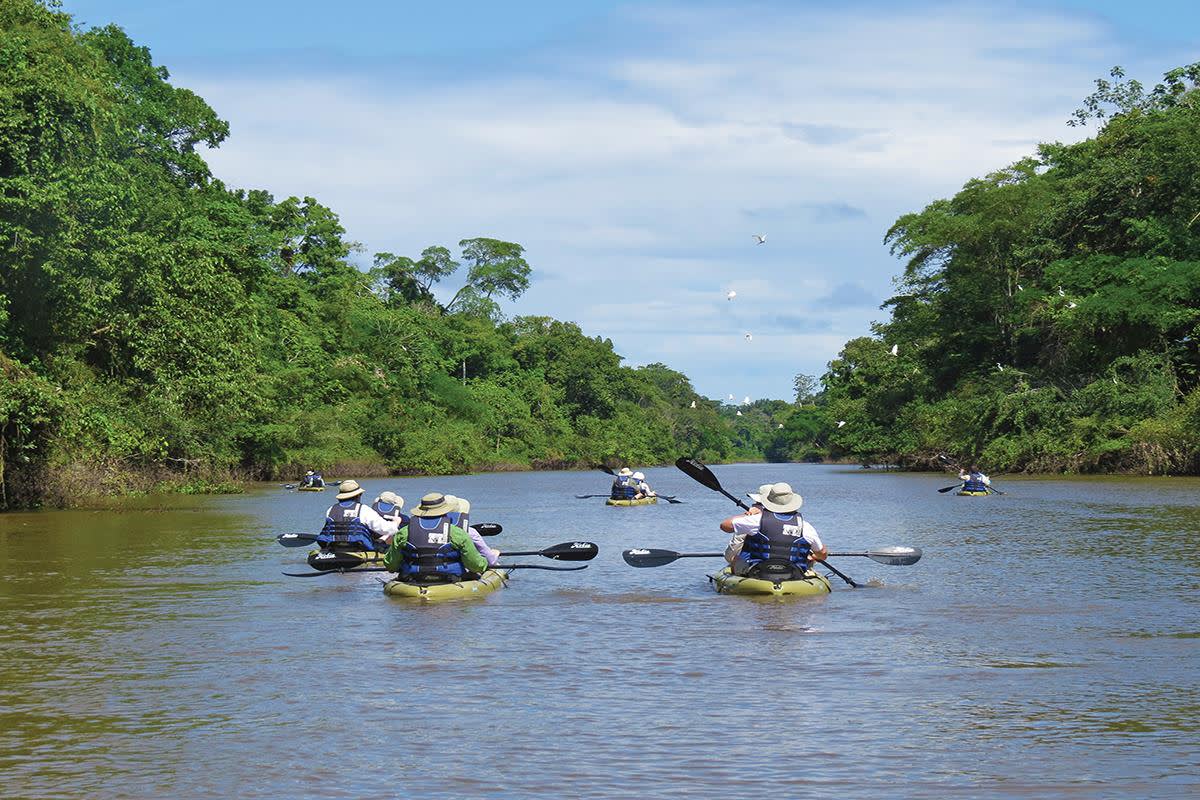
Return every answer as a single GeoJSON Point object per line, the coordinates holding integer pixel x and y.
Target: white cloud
{"type": "Point", "coordinates": [628, 173]}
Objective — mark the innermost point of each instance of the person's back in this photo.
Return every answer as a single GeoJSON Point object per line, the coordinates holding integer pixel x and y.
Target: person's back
{"type": "Point", "coordinates": [390, 506]}
{"type": "Point", "coordinates": [352, 525]}
{"type": "Point", "coordinates": [974, 480]}
{"type": "Point", "coordinates": [623, 487]}
{"type": "Point", "coordinates": [640, 486]}
{"type": "Point", "coordinates": [775, 540]}
{"type": "Point", "coordinates": [431, 548]}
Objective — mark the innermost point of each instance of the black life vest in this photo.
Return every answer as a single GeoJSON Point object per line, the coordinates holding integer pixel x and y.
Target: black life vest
{"type": "Point", "coordinates": [624, 488]}
{"type": "Point", "coordinates": [390, 512]}
{"type": "Point", "coordinates": [778, 541]}
{"type": "Point", "coordinates": [428, 552]}
{"type": "Point", "coordinates": [344, 528]}
{"type": "Point", "coordinates": [974, 483]}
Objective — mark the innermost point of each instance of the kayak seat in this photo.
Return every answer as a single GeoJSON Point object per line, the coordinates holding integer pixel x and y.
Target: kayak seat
{"type": "Point", "coordinates": [775, 571]}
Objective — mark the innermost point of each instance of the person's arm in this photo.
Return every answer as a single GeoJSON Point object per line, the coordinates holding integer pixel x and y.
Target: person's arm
{"type": "Point", "coordinates": [471, 559]}
{"type": "Point", "coordinates": [488, 553]}
{"type": "Point", "coordinates": [395, 551]}
{"type": "Point", "coordinates": [742, 526]}
{"type": "Point", "coordinates": [727, 525]}
{"type": "Point", "coordinates": [986, 480]}
{"type": "Point", "coordinates": [384, 529]}
{"type": "Point", "coordinates": [817, 549]}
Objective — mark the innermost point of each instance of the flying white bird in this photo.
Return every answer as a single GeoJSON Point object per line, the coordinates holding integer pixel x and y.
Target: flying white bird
{"type": "Point", "coordinates": [732, 294]}
{"type": "Point", "coordinates": [759, 238]}
{"type": "Point", "coordinates": [693, 404]}
{"type": "Point", "coordinates": [1020, 288]}
{"type": "Point", "coordinates": [1072, 304]}
{"type": "Point", "coordinates": [730, 397]}
{"type": "Point", "coordinates": [895, 349]}
{"type": "Point", "coordinates": [841, 422]}
{"type": "Point", "coordinates": [749, 337]}
{"type": "Point", "coordinates": [746, 400]}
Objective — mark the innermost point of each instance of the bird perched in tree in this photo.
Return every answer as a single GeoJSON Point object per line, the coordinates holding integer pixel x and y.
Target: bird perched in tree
{"type": "Point", "coordinates": [841, 422]}
{"type": "Point", "coordinates": [759, 238]}
{"type": "Point", "coordinates": [693, 404]}
{"type": "Point", "coordinates": [895, 349]}
{"type": "Point", "coordinates": [739, 413]}
{"type": "Point", "coordinates": [1072, 304]}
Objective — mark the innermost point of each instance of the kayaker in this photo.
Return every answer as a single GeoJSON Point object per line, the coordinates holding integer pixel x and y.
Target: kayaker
{"type": "Point", "coordinates": [643, 488]}
{"type": "Point", "coordinates": [431, 548]}
{"type": "Point", "coordinates": [390, 506]}
{"type": "Point", "coordinates": [772, 531]}
{"type": "Point", "coordinates": [350, 524]}
{"type": "Point", "coordinates": [974, 480]}
{"type": "Point", "coordinates": [462, 518]}
{"type": "Point", "coordinates": [312, 479]}
{"type": "Point", "coordinates": [623, 486]}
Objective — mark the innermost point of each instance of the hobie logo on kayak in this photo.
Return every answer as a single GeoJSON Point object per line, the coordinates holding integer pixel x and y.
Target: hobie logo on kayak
{"type": "Point", "coordinates": [324, 556]}
{"type": "Point", "coordinates": [639, 552]}
{"type": "Point", "coordinates": [581, 545]}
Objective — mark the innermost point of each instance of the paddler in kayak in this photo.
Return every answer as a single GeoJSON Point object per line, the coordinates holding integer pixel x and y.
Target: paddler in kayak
{"type": "Point", "coordinates": [352, 525]}
{"type": "Point", "coordinates": [643, 488]}
{"type": "Point", "coordinates": [462, 518]}
{"type": "Point", "coordinates": [390, 506]}
{"type": "Point", "coordinates": [431, 548]}
{"type": "Point", "coordinates": [974, 480]}
{"type": "Point", "coordinates": [772, 534]}
{"type": "Point", "coordinates": [313, 479]}
{"type": "Point", "coordinates": [623, 486]}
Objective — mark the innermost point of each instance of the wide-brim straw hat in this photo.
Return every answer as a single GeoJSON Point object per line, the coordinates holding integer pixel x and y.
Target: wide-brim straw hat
{"type": "Point", "coordinates": [348, 490]}
{"type": "Point", "coordinates": [390, 497]}
{"type": "Point", "coordinates": [310, 472]}
{"type": "Point", "coordinates": [434, 504]}
{"type": "Point", "coordinates": [763, 490]}
{"type": "Point", "coordinates": [637, 476]}
{"type": "Point", "coordinates": [781, 499]}
{"type": "Point", "coordinates": [624, 472]}
{"type": "Point", "coordinates": [460, 504]}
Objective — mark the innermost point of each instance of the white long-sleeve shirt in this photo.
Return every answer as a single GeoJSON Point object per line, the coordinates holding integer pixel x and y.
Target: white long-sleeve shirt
{"type": "Point", "coordinates": [747, 524]}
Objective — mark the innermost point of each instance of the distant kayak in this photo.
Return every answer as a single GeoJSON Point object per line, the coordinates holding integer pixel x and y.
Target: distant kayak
{"type": "Point", "coordinates": [645, 501]}
{"type": "Point", "coordinates": [727, 583]}
{"type": "Point", "coordinates": [310, 488]}
{"type": "Point", "coordinates": [972, 494]}
{"type": "Point", "coordinates": [488, 582]}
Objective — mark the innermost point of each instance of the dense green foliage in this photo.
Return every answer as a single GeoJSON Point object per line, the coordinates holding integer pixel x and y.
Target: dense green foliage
{"type": "Point", "coordinates": [1048, 316]}
{"type": "Point", "coordinates": [154, 323]}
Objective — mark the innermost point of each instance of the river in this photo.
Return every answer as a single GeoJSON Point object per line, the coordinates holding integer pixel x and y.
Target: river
{"type": "Point", "coordinates": [1045, 646]}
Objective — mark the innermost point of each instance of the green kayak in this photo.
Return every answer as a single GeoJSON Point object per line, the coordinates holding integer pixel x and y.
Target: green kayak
{"type": "Point", "coordinates": [485, 584]}
{"type": "Point", "coordinates": [973, 494]}
{"type": "Point", "coordinates": [727, 583]}
{"type": "Point", "coordinates": [310, 488]}
{"type": "Point", "coordinates": [645, 501]}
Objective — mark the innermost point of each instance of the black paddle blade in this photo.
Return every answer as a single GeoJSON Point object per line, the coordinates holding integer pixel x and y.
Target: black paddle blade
{"type": "Point", "coordinates": [572, 551]}
{"type": "Point", "coordinates": [332, 559]}
{"type": "Point", "coordinates": [539, 566]}
{"type": "Point", "coordinates": [606, 469]}
{"type": "Point", "coordinates": [948, 488]}
{"type": "Point", "coordinates": [334, 572]}
{"type": "Point", "coordinates": [698, 472]}
{"type": "Point", "coordinates": [670, 499]}
{"type": "Point", "coordinates": [489, 528]}
{"type": "Point", "coordinates": [648, 557]}
{"type": "Point", "coordinates": [589, 496]}
{"type": "Point", "coordinates": [296, 539]}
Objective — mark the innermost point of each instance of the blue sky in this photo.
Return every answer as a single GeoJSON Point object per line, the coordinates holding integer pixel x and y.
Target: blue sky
{"type": "Point", "coordinates": [634, 148]}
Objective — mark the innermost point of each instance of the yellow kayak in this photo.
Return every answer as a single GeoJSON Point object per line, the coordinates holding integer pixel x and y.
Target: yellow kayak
{"type": "Point", "coordinates": [645, 501]}
{"type": "Point", "coordinates": [973, 494]}
{"type": "Point", "coordinates": [310, 488]}
{"type": "Point", "coordinates": [726, 582]}
{"type": "Point", "coordinates": [485, 584]}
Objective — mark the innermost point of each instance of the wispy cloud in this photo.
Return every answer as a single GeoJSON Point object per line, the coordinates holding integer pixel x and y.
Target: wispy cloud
{"type": "Point", "coordinates": [634, 169]}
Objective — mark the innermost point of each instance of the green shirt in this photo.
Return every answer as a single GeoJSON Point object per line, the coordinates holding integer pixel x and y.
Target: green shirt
{"type": "Point", "coordinates": [460, 540]}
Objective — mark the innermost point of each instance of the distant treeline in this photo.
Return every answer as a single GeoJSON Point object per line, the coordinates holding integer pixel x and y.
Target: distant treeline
{"type": "Point", "coordinates": [1048, 317]}
{"type": "Point", "coordinates": [157, 327]}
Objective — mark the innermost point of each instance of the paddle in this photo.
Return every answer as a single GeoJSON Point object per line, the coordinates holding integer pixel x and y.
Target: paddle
{"type": "Point", "coordinates": [385, 569]}
{"type": "Point", "coordinates": [567, 551]}
{"type": "Point", "coordinates": [702, 474]}
{"type": "Point", "coordinates": [670, 498]}
{"type": "Point", "coordinates": [305, 539]}
{"type": "Point", "coordinates": [588, 496]}
{"type": "Point", "coordinates": [651, 557]}
{"type": "Point", "coordinates": [948, 488]}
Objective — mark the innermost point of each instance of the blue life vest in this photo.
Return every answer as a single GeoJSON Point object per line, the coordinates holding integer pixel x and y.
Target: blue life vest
{"type": "Point", "coordinates": [779, 540]}
{"type": "Point", "coordinates": [391, 512]}
{"type": "Point", "coordinates": [624, 488]}
{"type": "Point", "coordinates": [344, 530]}
{"type": "Point", "coordinates": [428, 552]}
{"type": "Point", "coordinates": [974, 483]}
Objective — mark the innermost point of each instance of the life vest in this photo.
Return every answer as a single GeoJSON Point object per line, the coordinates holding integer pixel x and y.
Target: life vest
{"type": "Point", "coordinates": [344, 530]}
{"type": "Point", "coordinates": [428, 552]}
{"type": "Point", "coordinates": [391, 512]}
{"type": "Point", "coordinates": [974, 483]}
{"type": "Point", "coordinates": [624, 488]}
{"type": "Point", "coordinates": [779, 541]}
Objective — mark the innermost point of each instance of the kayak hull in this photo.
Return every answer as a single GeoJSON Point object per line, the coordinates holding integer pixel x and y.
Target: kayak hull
{"type": "Point", "coordinates": [343, 559]}
{"type": "Point", "coordinates": [645, 501]}
{"type": "Point", "coordinates": [811, 585]}
{"type": "Point", "coordinates": [972, 494]}
{"type": "Point", "coordinates": [488, 582]}
{"type": "Point", "coordinates": [310, 488]}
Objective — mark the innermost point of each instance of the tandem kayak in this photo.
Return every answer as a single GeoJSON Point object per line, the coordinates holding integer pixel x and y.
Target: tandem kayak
{"type": "Point", "coordinates": [727, 583]}
{"type": "Point", "coordinates": [485, 584]}
{"type": "Point", "coordinates": [310, 488]}
{"type": "Point", "coordinates": [972, 494]}
{"type": "Point", "coordinates": [645, 501]}
{"type": "Point", "coordinates": [343, 559]}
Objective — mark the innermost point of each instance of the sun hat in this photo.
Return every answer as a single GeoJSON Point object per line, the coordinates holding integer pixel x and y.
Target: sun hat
{"type": "Point", "coordinates": [434, 504]}
{"type": "Point", "coordinates": [310, 472]}
{"type": "Point", "coordinates": [348, 490]}
{"type": "Point", "coordinates": [763, 490]}
{"type": "Point", "coordinates": [390, 497]}
{"type": "Point", "coordinates": [781, 499]}
{"type": "Point", "coordinates": [637, 476]}
{"type": "Point", "coordinates": [624, 472]}
{"type": "Point", "coordinates": [464, 505]}
{"type": "Point", "coordinates": [459, 504]}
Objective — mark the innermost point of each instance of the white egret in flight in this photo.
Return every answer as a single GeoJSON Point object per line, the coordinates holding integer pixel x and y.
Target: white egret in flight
{"type": "Point", "coordinates": [759, 238]}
